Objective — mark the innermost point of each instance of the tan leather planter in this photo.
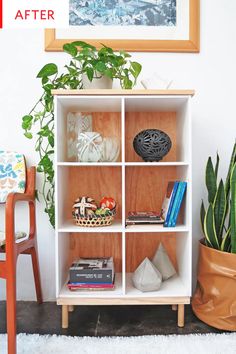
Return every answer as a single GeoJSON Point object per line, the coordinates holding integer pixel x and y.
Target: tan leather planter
{"type": "Point", "coordinates": [214, 301]}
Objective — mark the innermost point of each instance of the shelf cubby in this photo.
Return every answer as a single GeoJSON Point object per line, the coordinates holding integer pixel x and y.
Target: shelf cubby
{"type": "Point", "coordinates": [71, 246]}
{"type": "Point", "coordinates": [106, 120]}
{"type": "Point", "coordinates": [167, 114]}
{"type": "Point", "coordinates": [141, 245]}
{"type": "Point", "coordinates": [92, 181]}
{"type": "Point", "coordinates": [151, 182]}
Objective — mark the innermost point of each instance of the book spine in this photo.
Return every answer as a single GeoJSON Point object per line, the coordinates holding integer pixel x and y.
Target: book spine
{"type": "Point", "coordinates": [174, 205]}
{"type": "Point", "coordinates": [171, 203]}
{"type": "Point", "coordinates": [91, 286]}
{"type": "Point", "coordinates": [180, 200]}
{"type": "Point", "coordinates": [94, 276]}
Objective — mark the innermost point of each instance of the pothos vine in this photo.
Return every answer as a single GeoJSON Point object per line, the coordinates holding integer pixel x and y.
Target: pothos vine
{"type": "Point", "coordinates": [39, 123]}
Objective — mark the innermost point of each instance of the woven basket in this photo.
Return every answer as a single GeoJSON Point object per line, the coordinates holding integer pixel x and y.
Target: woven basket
{"type": "Point", "coordinates": [94, 221]}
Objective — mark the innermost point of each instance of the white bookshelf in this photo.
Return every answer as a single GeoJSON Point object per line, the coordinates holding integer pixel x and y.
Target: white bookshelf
{"type": "Point", "coordinates": [135, 185]}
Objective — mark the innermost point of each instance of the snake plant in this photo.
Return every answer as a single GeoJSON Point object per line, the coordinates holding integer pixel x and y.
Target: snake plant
{"type": "Point", "coordinates": [219, 218]}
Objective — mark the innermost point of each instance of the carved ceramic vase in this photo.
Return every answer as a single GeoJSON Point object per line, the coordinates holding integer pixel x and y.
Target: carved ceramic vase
{"type": "Point", "coordinates": [152, 144]}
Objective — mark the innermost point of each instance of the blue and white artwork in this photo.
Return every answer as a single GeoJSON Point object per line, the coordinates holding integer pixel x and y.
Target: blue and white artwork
{"type": "Point", "coordinates": [122, 13]}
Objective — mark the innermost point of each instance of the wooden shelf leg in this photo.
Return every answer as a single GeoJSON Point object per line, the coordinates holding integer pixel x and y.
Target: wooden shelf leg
{"type": "Point", "coordinates": [181, 315]}
{"type": "Point", "coordinates": [174, 307]}
{"type": "Point", "coordinates": [71, 308]}
{"type": "Point", "coordinates": [65, 317]}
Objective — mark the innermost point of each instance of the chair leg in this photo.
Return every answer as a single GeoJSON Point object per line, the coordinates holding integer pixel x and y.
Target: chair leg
{"type": "Point", "coordinates": [11, 311]}
{"type": "Point", "coordinates": [35, 263]}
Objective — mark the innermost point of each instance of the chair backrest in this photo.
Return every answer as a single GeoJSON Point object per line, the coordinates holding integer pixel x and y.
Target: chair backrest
{"type": "Point", "coordinates": [12, 174]}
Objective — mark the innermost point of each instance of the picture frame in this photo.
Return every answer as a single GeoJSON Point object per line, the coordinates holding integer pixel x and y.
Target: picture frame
{"type": "Point", "coordinates": [53, 43]}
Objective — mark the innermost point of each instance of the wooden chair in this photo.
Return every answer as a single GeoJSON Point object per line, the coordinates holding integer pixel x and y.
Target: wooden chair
{"type": "Point", "coordinates": [13, 249]}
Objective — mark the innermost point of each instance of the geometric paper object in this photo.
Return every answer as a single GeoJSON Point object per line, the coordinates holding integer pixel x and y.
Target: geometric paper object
{"type": "Point", "coordinates": [90, 147]}
{"type": "Point", "coordinates": [12, 174]}
{"type": "Point", "coordinates": [163, 263]}
{"type": "Point", "coordinates": [76, 123]}
{"type": "Point", "coordinates": [147, 277]}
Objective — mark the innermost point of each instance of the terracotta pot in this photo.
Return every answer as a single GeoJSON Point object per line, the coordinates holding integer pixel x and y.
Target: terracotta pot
{"type": "Point", "coordinates": [214, 301]}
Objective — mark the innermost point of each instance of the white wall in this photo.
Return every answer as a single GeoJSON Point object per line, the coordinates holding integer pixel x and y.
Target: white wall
{"type": "Point", "coordinates": [211, 73]}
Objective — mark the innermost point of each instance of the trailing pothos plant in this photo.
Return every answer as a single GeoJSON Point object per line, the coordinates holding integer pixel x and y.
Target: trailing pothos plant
{"type": "Point", "coordinates": [39, 123]}
{"type": "Point", "coordinates": [219, 218]}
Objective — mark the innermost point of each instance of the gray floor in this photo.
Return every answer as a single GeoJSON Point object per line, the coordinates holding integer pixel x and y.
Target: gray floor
{"type": "Point", "coordinates": [102, 320]}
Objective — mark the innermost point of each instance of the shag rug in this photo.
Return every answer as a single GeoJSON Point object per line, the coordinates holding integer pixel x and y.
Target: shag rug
{"type": "Point", "coordinates": [173, 344]}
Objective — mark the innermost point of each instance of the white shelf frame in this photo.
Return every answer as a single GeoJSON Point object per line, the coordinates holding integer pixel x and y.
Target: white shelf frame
{"type": "Point", "coordinates": [175, 291]}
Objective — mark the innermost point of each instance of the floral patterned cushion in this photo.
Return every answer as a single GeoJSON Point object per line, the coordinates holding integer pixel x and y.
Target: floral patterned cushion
{"type": "Point", "coordinates": [12, 174]}
{"type": "Point", "coordinates": [19, 236]}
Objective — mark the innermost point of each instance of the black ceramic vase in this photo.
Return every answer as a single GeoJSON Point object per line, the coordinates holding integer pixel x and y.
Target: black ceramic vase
{"type": "Point", "coordinates": [152, 144]}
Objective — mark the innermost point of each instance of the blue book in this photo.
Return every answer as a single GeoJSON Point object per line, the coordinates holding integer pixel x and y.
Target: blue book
{"type": "Point", "coordinates": [179, 202]}
{"type": "Point", "coordinates": [170, 221]}
{"type": "Point", "coordinates": [172, 198]}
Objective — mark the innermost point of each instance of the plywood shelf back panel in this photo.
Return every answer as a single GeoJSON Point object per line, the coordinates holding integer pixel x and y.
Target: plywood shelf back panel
{"type": "Point", "coordinates": [141, 245]}
{"type": "Point", "coordinates": [96, 245]}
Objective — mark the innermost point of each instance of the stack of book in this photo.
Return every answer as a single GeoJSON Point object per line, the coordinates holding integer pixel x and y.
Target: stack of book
{"type": "Point", "coordinates": [92, 274]}
{"type": "Point", "coordinates": [172, 202]}
{"type": "Point", "coordinates": [144, 217]}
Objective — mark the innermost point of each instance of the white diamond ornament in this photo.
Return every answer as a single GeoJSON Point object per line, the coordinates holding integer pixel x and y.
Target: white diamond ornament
{"type": "Point", "coordinates": [147, 277]}
{"type": "Point", "coordinates": [163, 263]}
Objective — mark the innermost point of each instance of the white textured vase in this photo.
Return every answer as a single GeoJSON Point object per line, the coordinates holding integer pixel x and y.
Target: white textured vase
{"type": "Point", "coordinates": [76, 123]}
{"type": "Point", "coordinates": [102, 82]}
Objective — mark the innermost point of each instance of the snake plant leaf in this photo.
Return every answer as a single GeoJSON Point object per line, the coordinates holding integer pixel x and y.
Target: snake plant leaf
{"type": "Point", "coordinates": [210, 181]}
{"type": "Point", "coordinates": [225, 241]}
{"type": "Point", "coordinates": [217, 165]}
{"type": "Point", "coordinates": [202, 214]}
{"type": "Point", "coordinates": [209, 228]}
{"type": "Point", "coordinates": [232, 162]}
{"type": "Point", "coordinates": [219, 207]}
{"type": "Point", "coordinates": [233, 209]}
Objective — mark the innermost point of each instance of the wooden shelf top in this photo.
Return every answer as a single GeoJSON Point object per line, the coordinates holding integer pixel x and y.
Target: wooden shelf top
{"type": "Point", "coordinates": [119, 92]}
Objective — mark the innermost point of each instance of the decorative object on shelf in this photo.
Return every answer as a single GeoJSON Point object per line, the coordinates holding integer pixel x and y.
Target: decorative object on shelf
{"type": "Point", "coordinates": [217, 257]}
{"type": "Point", "coordinates": [111, 149]}
{"type": "Point", "coordinates": [87, 214]}
{"type": "Point", "coordinates": [156, 82]}
{"type": "Point", "coordinates": [90, 147]}
{"type": "Point", "coordinates": [99, 82]}
{"type": "Point", "coordinates": [39, 123]}
{"type": "Point", "coordinates": [147, 277]}
{"type": "Point", "coordinates": [108, 202]}
{"type": "Point", "coordinates": [77, 123]}
{"type": "Point", "coordinates": [163, 263]}
{"type": "Point", "coordinates": [152, 144]}
{"type": "Point", "coordinates": [84, 206]}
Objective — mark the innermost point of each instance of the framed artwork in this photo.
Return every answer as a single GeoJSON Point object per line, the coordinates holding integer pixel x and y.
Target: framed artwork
{"type": "Point", "coordinates": [131, 25]}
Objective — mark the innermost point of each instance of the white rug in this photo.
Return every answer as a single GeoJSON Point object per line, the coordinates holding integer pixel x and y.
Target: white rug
{"type": "Point", "coordinates": [174, 344]}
